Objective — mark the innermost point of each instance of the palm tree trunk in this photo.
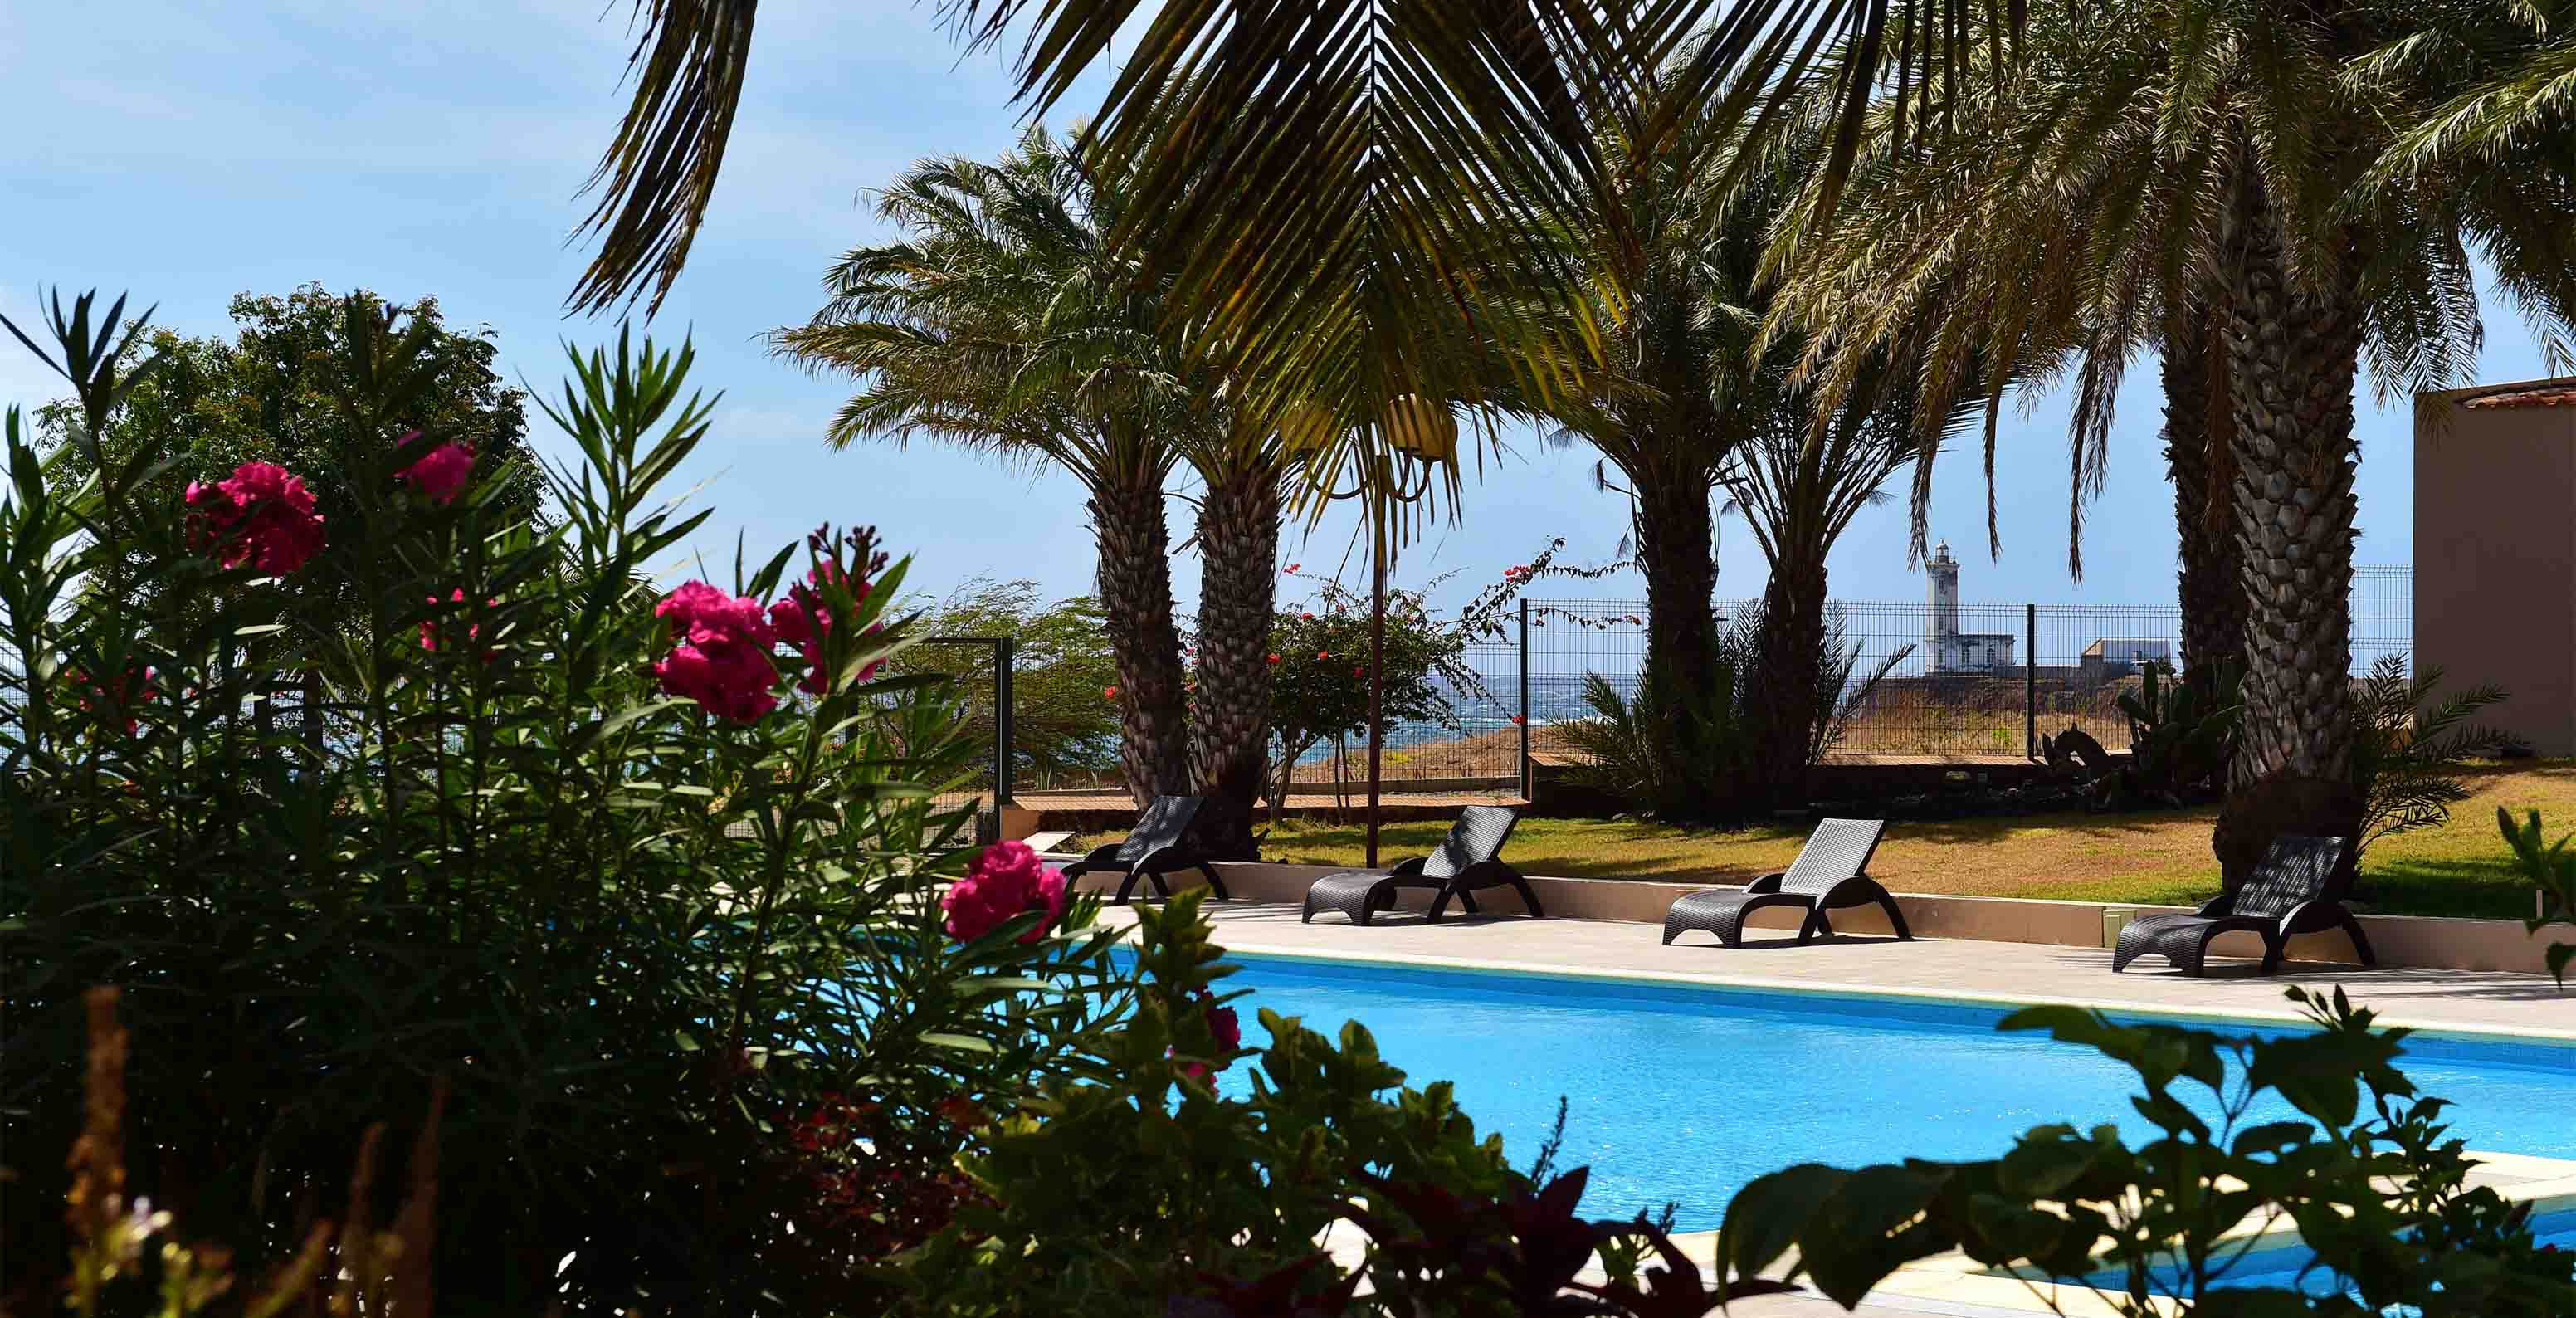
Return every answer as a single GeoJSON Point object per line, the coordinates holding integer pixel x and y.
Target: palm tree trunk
{"type": "Point", "coordinates": [2202, 465]}
{"type": "Point", "coordinates": [1789, 657]}
{"type": "Point", "coordinates": [1238, 589]}
{"type": "Point", "coordinates": [2292, 353]}
{"type": "Point", "coordinates": [1136, 595]}
{"type": "Point", "coordinates": [1676, 551]}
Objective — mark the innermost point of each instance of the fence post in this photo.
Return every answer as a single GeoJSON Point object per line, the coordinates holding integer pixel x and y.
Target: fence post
{"type": "Point", "coordinates": [1005, 653]}
{"type": "Point", "coordinates": [1528, 779]}
{"type": "Point", "coordinates": [2030, 681]}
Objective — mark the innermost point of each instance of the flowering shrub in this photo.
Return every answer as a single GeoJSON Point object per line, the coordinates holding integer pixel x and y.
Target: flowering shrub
{"type": "Point", "coordinates": [443, 473]}
{"type": "Point", "coordinates": [1005, 882]}
{"type": "Point", "coordinates": [720, 652]}
{"type": "Point", "coordinates": [261, 516]}
{"type": "Point", "coordinates": [347, 851]}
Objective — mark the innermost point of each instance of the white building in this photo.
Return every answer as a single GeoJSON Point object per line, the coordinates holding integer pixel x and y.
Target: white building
{"type": "Point", "coordinates": [1952, 650]}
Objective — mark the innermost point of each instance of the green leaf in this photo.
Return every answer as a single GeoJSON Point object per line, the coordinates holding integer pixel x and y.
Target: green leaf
{"type": "Point", "coordinates": [963, 1043]}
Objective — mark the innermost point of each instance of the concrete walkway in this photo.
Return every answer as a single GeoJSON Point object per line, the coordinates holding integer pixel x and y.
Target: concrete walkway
{"type": "Point", "coordinates": [2452, 1001]}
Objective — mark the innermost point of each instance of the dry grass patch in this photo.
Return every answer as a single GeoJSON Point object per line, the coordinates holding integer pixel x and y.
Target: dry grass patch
{"type": "Point", "coordinates": [2150, 857]}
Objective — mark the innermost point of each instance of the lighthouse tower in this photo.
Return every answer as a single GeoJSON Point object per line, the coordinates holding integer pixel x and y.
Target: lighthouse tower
{"type": "Point", "coordinates": [1941, 633]}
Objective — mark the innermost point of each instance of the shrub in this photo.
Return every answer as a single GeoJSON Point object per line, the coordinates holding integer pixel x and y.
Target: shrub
{"type": "Point", "coordinates": [647, 880]}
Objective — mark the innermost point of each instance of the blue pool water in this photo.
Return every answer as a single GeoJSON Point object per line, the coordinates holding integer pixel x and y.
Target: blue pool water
{"type": "Point", "coordinates": [1685, 1093]}
{"type": "Point", "coordinates": [2287, 1267]}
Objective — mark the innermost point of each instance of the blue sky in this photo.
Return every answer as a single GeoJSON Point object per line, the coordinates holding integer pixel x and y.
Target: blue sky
{"type": "Point", "coordinates": [189, 152]}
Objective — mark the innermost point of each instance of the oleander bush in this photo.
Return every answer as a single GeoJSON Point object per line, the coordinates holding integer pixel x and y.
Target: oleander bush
{"type": "Point", "coordinates": [645, 877]}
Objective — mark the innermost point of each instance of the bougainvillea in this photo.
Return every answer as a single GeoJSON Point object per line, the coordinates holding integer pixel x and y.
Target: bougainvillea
{"type": "Point", "coordinates": [1006, 881]}
{"type": "Point", "coordinates": [443, 473]}
{"type": "Point", "coordinates": [261, 515]}
{"type": "Point", "coordinates": [721, 656]}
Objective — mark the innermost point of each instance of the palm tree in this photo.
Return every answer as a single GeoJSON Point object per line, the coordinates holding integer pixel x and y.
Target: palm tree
{"type": "Point", "coordinates": [1287, 156]}
{"type": "Point", "coordinates": [1002, 324]}
{"type": "Point", "coordinates": [1798, 489]}
{"type": "Point", "coordinates": [1673, 259]}
{"type": "Point", "coordinates": [2222, 152]}
{"type": "Point", "coordinates": [1238, 539]}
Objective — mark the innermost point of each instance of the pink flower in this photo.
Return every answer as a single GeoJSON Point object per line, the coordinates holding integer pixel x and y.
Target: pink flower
{"type": "Point", "coordinates": [1323, 654]}
{"type": "Point", "coordinates": [443, 472]}
{"type": "Point", "coordinates": [261, 515]}
{"type": "Point", "coordinates": [1109, 692]}
{"type": "Point", "coordinates": [1228, 1032]}
{"type": "Point", "coordinates": [116, 699]}
{"type": "Point", "coordinates": [429, 629]}
{"type": "Point", "coordinates": [1307, 616]}
{"type": "Point", "coordinates": [1518, 721]}
{"type": "Point", "coordinates": [721, 659]}
{"type": "Point", "coordinates": [800, 620]}
{"type": "Point", "coordinates": [1007, 880]}
{"type": "Point", "coordinates": [1274, 658]}
{"type": "Point", "coordinates": [1294, 566]}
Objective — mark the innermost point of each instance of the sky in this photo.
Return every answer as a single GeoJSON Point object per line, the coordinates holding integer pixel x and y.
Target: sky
{"type": "Point", "coordinates": [186, 153]}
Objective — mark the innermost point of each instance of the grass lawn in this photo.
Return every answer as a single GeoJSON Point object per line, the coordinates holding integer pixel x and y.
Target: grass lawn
{"type": "Point", "coordinates": [2459, 869]}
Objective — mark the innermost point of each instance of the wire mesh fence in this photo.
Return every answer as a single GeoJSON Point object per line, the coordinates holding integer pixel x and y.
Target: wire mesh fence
{"type": "Point", "coordinates": [1956, 682]}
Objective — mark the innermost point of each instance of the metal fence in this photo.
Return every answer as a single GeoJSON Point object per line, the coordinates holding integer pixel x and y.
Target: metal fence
{"type": "Point", "coordinates": [1968, 682]}
{"type": "Point", "coordinates": [1962, 682]}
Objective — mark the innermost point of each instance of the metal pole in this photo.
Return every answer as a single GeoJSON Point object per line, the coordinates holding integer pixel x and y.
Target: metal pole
{"type": "Point", "coordinates": [1005, 653]}
{"type": "Point", "coordinates": [1377, 679]}
{"type": "Point", "coordinates": [1528, 777]}
{"type": "Point", "coordinates": [2030, 680]}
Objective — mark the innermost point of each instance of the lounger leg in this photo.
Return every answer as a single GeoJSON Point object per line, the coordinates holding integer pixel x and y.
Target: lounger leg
{"type": "Point", "coordinates": [1521, 886]}
{"type": "Point", "coordinates": [1215, 884]}
{"type": "Point", "coordinates": [1807, 927]}
{"type": "Point", "coordinates": [2360, 940]}
{"type": "Point", "coordinates": [1126, 888]}
{"type": "Point", "coordinates": [1440, 902]}
{"type": "Point", "coordinates": [1162, 890]}
{"type": "Point", "coordinates": [2275, 946]}
{"type": "Point", "coordinates": [1895, 918]}
{"type": "Point", "coordinates": [1468, 900]}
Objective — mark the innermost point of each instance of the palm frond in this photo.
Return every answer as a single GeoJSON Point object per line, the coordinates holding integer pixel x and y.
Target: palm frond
{"type": "Point", "coordinates": [659, 173]}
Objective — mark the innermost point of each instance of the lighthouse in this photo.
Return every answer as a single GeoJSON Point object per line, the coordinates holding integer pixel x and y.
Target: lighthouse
{"type": "Point", "coordinates": [1952, 650]}
{"type": "Point", "coordinates": [1941, 634]}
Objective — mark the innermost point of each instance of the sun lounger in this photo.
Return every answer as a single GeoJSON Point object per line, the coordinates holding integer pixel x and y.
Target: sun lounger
{"type": "Point", "coordinates": [1158, 846]}
{"type": "Point", "coordinates": [1468, 859]}
{"type": "Point", "coordinates": [2299, 888]}
{"type": "Point", "coordinates": [1831, 872]}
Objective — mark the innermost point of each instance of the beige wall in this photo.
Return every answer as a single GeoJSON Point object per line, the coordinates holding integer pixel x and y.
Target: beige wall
{"type": "Point", "coordinates": [2495, 557]}
{"type": "Point", "coordinates": [2400, 940]}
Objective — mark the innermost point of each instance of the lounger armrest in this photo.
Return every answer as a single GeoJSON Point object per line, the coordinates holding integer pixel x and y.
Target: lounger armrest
{"type": "Point", "coordinates": [1767, 883]}
{"type": "Point", "coordinates": [1099, 856]}
{"type": "Point", "coordinates": [1163, 860]}
{"type": "Point", "coordinates": [1408, 869]}
{"type": "Point", "coordinates": [2222, 904]}
{"type": "Point", "coordinates": [2312, 916]}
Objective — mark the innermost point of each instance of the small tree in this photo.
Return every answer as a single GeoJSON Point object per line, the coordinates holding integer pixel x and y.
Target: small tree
{"type": "Point", "coordinates": [1319, 684]}
{"type": "Point", "coordinates": [1063, 722]}
{"type": "Point", "coordinates": [289, 387]}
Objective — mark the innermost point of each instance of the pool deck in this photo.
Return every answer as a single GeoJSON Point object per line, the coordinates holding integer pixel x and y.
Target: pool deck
{"type": "Point", "coordinates": [2475, 1003]}
{"type": "Point", "coordinates": [2471, 1002]}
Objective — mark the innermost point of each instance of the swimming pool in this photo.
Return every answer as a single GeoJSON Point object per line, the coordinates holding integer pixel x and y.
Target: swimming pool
{"type": "Point", "coordinates": [2286, 1265]}
{"type": "Point", "coordinates": [1685, 1093]}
